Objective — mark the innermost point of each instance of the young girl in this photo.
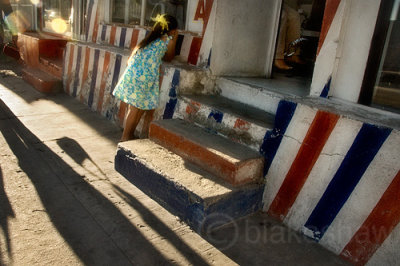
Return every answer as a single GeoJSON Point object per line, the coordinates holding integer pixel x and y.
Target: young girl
{"type": "Point", "coordinates": [139, 85]}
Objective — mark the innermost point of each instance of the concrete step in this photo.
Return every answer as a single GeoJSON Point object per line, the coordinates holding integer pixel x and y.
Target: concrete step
{"type": "Point", "coordinates": [261, 93]}
{"type": "Point", "coordinates": [52, 66]}
{"type": "Point", "coordinates": [233, 162]}
{"type": "Point", "coordinates": [42, 81]}
{"type": "Point", "coordinates": [237, 121]}
{"type": "Point", "coordinates": [197, 197]}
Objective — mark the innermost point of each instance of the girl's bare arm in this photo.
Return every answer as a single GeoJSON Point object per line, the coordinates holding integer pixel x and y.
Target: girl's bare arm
{"type": "Point", "coordinates": [169, 55]}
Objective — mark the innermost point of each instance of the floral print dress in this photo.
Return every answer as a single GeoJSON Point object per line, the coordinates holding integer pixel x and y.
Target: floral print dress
{"type": "Point", "coordinates": [139, 84]}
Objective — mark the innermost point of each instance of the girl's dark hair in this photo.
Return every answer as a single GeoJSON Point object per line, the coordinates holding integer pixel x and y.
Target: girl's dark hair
{"type": "Point", "coordinates": [158, 31]}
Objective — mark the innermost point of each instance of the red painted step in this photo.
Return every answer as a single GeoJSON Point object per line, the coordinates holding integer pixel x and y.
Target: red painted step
{"type": "Point", "coordinates": [42, 81]}
{"type": "Point", "coordinates": [224, 158]}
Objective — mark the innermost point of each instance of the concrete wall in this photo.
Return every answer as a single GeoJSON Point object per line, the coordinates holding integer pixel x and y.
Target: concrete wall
{"type": "Point", "coordinates": [192, 48]}
{"type": "Point", "coordinates": [242, 37]}
{"type": "Point", "coordinates": [336, 179]}
{"type": "Point", "coordinates": [344, 48]}
{"type": "Point", "coordinates": [92, 68]}
{"type": "Point", "coordinates": [91, 72]}
{"type": "Point", "coordinates": [355, 44]}
{"type": "Point", "coordinates": [328, 48]}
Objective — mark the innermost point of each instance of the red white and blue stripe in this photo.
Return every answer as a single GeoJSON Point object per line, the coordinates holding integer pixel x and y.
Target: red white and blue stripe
{"type": "Point", "coordinates": [336, 180]}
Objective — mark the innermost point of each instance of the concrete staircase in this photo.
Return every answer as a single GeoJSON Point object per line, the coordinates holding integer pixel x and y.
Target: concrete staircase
{"type": "Point", "coordinates": [203, 165]}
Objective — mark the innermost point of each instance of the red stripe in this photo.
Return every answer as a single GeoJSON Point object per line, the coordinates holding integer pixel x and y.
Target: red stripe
{"type": "Point", "coordinates": [377, 227]}
{"type": "Point", "coordinates": [85, 72]}
{"type": "Point", "coordinates": [71, 61]}
{"type": "Point", "coordinates": [112, 34]}
{"type": "Point", "coordinates": [96, 26]}
{"type": "Point", "coordinates": [135, 35]}
{"type": "Point", "coordinates": [103, 82]}
{"type": "Point", "coordinates": [196, 42]}
{"type": "Point", "coordinates": [242, 125]}
{"type": "Point", "coordinates": [193, 108]}
{"type": "Point", "coordinates": [194, 50]}
{"type": "Point", "coordinates": [315, 140]}
{"type": "Point", "coordinates": [209, 5]}
{"type": "Point", "coordinates": [331, 7]}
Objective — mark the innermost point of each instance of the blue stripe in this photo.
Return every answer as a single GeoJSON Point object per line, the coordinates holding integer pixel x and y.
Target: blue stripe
{"type": "Point", "coordinates": [366, 145]}
{"type": "Point", "coordinates": [77, 70]}
{"type": "Point", "coordinates": [216, 115]}
{"type": "Point", "coordinates": [122, 38]}
{"type": "Point", "coordinates": [103, 32]}
{"type": "Point", "coordinates": [89, 16]}
{"type": "Point", "coordinates": [273, 138]}
{"type": "Point", "coordinates": [170, 106]}
{"type": "Point", "coordinates": [94, 77]}
{"type": "Point", "coordinates": [117, 69]}
{"type": "Point", "coordinates": [209, 59]}
{"type": "Point", "coordinates": [327, 87]}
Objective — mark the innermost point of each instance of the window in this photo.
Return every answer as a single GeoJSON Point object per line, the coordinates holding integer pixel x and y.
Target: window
{"type": "Point", "coordinates": [381, 85]}
{"type": "Point", "coordinates": [24, 13]}
{"type": "Point", "coordinates": [140, 12]}
{"type": "Point", "coordinates": [58, 16]}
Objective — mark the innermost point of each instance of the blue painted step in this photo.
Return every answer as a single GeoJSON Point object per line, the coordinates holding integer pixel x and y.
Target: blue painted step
{"type": "Point", "coordinates": [198, 198]}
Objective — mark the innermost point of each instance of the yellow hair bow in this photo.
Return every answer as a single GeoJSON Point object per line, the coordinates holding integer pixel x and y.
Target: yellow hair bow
{"type": "Point", "coordinates": [161, 19]}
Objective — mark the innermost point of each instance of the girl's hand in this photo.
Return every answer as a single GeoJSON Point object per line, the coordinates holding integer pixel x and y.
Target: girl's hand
{"type": "Point", "coordinates": [173, 33]}
{"type": "Point", "coordinates": [169, 55]}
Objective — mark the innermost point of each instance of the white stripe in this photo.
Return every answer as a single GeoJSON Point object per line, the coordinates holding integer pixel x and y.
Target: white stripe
{"type": "Point", "coordinates": [124, 61]}
{"type": "Point", "coordinates": [164, 91]}
{"type": "Point", "coordinates": [73, 69]}
{"type": "Point", "coordinates": [207, 38]}
{"type": "Point", "coordinates": [108, 33]}
{"type": "Point", "coordinates": [142, 34]}
{"type": "Point", "coordinates": [128, 37]}
{"type": "Point", "coordinates": [107, 89]}
{"type": "Point", "coordinates": [365, 196]}
{"type": "Point", "coordinates": [288, 149]}
{"type": "Point", "coordinates": [66, 62]}
{"type": "Point", "coordinates": [185, 48]}
{"type": "Point", "coordinates": [388, 253]}
{"type": "Point", "coordinates": [86, 86]}
{"type": "Point", "coordinates": [98, 79]}
{"type": "Point", "coordinates": [326, 166]}
{"type": "Point", "coordinates": [180, 111]}
{"type": "Point", "coordinates": [92, 19]}
{"type": "Point", "coordinates": [326, 59]}
{"type": "Point", "coordinates": [82, 66]}
{"type": "Point", "coordinates": [117, 36]}
{"type": "Point", "coordinates": [99, 31]}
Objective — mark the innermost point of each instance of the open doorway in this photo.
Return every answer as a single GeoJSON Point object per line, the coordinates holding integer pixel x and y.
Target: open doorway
{"type": "Point", "coordinates": [297, 40]}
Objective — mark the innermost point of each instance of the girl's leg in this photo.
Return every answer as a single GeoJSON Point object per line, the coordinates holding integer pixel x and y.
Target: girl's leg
{"type": "Point", "coordinates": [146, 123]}
{"type": "Point", "coordinates": [132, 120]}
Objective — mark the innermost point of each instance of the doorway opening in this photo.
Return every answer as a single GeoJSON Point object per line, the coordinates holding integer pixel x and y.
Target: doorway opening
{"type": "Point", "coordinates": [297, 41]}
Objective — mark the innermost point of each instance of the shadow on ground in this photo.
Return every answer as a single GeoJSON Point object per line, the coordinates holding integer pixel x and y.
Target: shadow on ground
{"type": "Point", "coordinates": [86, 237]}
{"type": "Point", "coordinates": [261, 240]}
{"type": "Point", "coordinates": [6, 213]}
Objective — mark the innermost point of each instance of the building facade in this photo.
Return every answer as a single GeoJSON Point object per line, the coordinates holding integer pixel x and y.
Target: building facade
{"type": "Point", "coordinates": [331, 155]}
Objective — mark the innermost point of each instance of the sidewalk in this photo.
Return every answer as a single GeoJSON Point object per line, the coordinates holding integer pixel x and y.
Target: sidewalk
{"type": "Point", "coordinates": [62, 202]}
